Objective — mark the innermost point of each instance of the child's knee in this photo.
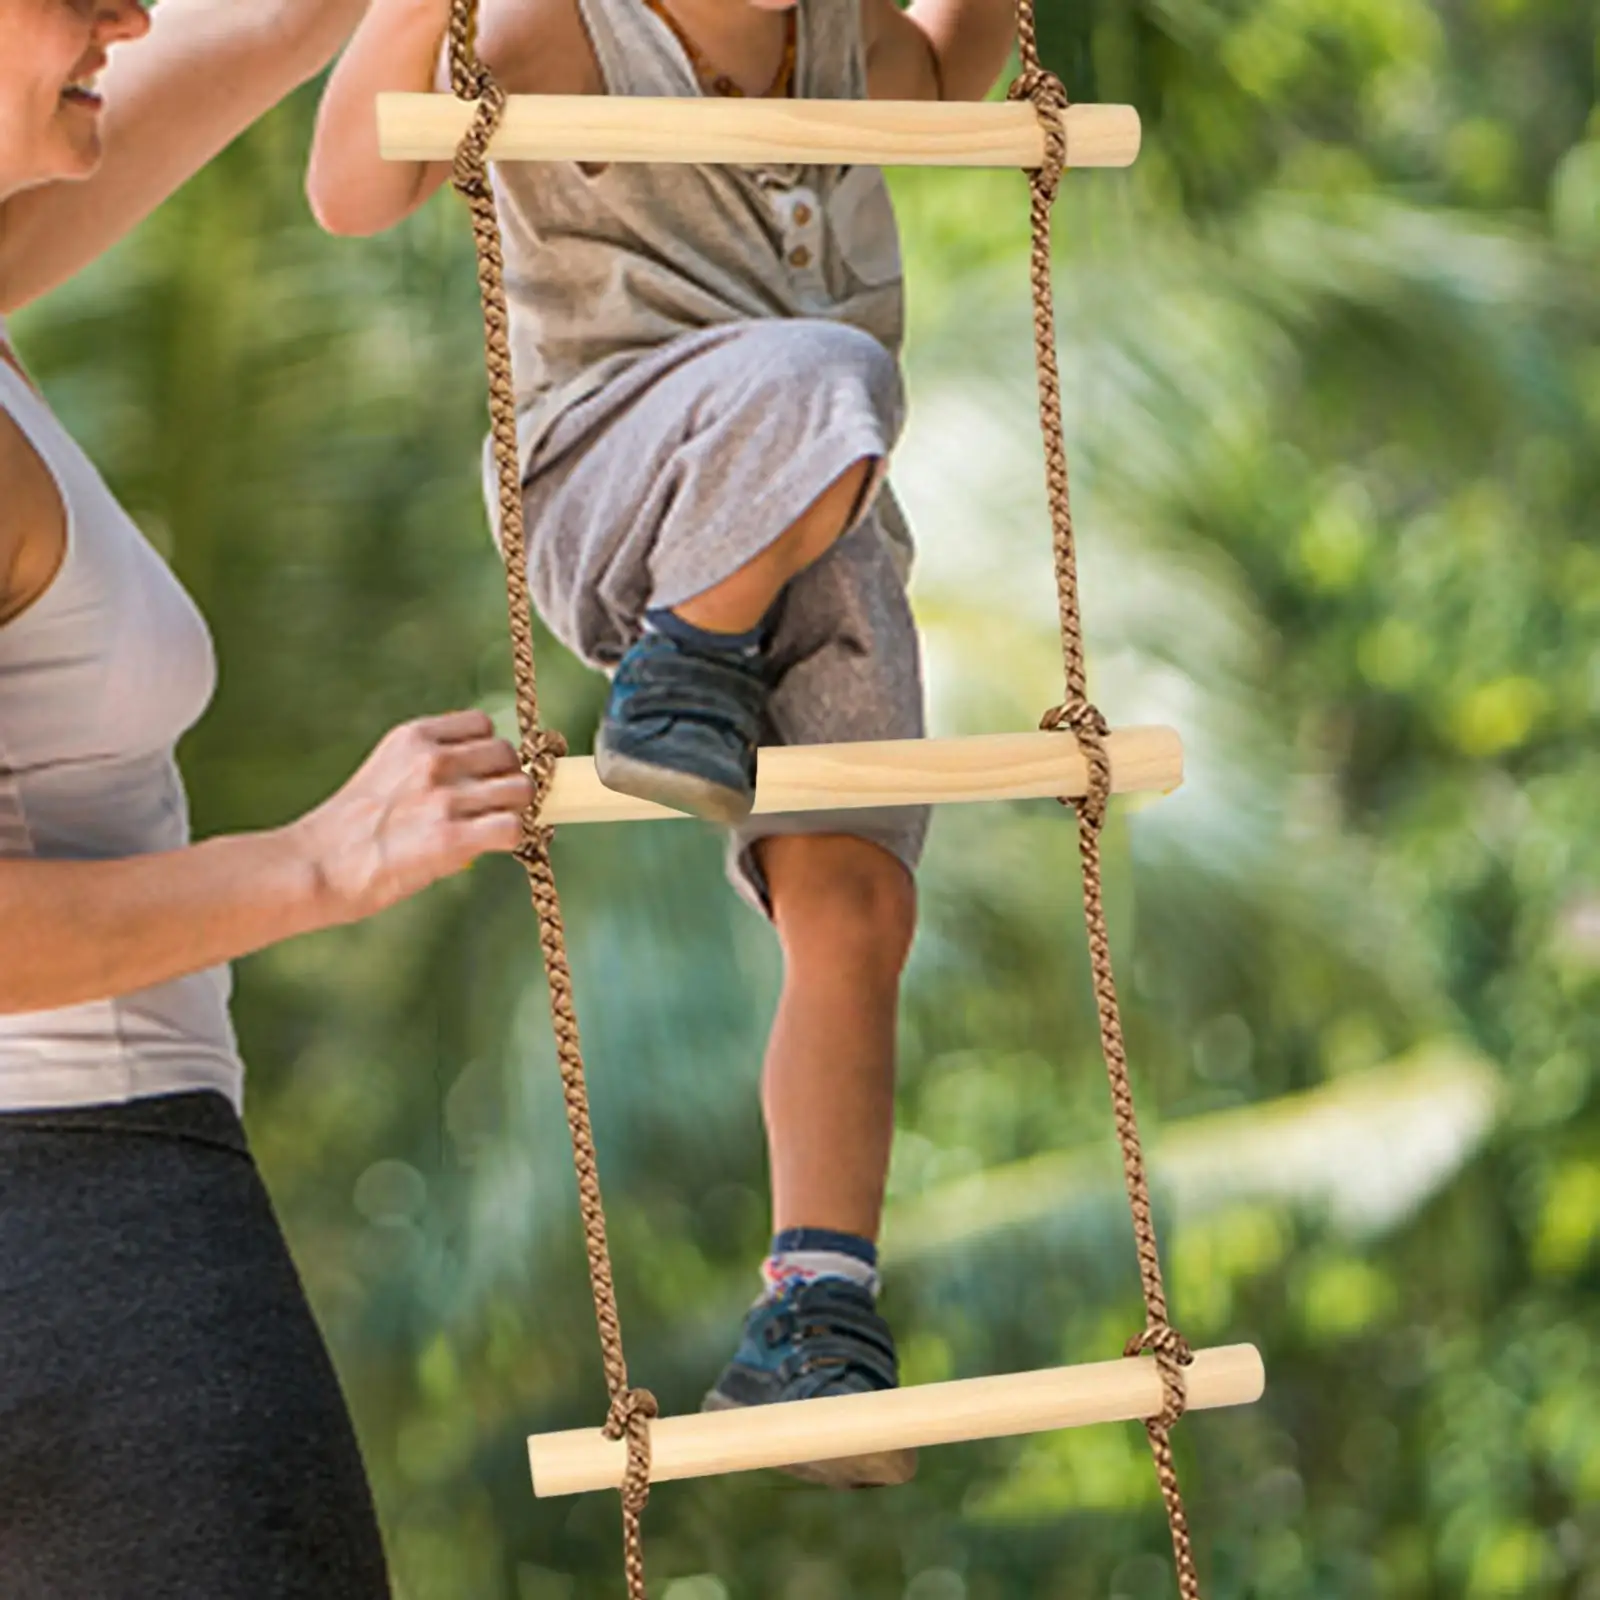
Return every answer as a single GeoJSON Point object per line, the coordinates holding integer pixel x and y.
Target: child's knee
{"type": "Point", "coordinates": [837, 347]}
{"type": "Point", "coordinates": [828, 361]}
{"type": "Point", "coordinates": [841, 900]}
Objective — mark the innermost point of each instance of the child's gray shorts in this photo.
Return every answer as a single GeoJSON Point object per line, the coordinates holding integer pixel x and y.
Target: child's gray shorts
{"type": "Point", "coordinates": [680, 471]}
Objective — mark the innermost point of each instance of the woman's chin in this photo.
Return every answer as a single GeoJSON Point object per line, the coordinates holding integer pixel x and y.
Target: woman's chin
{"type": "Point", "coordinates": [75, 154]}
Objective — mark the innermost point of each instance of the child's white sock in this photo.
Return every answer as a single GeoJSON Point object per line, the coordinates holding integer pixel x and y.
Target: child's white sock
{"type": "Point", "coordinates": [803, 1255]}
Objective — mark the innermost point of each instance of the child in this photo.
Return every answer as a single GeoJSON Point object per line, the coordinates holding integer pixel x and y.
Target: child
{"type": "Point", "coordinates": [708, 394]}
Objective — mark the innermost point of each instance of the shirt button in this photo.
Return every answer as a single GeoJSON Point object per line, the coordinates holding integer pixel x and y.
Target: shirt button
{"type": "Point", "coordinates": [803, 215]}
{"type": "Point", "coordinates": [800, 257]}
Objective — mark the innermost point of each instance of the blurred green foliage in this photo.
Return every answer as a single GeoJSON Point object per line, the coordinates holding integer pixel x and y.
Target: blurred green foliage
{"type": "Point", "coordinates": [1336, 388]}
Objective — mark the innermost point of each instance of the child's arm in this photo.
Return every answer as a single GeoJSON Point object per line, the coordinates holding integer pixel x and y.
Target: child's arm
{"type": "Point", "coordinates": [937, 49]}
{"type": "Point", "coordinates": [533, 47]}
{"type": "Point", "coordinates": [352, 189]}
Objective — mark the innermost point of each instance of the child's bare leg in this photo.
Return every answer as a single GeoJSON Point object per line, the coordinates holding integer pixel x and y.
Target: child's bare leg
{"type": "Point", "coordinates": [739, 602]}
{"type": "Point", "coordinates": [845, 913]}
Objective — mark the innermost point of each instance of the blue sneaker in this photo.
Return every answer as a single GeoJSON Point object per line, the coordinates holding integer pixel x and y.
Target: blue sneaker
{"type": "Point", "coordinates": [682, 726]}
{"type": "Point", "coordinates": [824, 1338]}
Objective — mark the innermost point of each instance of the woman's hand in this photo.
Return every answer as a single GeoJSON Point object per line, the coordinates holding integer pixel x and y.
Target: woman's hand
{"type": "Point", "coordinates": [433, 797]}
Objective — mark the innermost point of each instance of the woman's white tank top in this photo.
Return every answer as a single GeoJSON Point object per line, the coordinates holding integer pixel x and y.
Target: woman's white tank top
{"type": "Point", "coordinates": [99, 679]}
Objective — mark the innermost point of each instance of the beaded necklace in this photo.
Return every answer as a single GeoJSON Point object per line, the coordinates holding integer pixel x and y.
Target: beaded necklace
{"type": "Point", "coordinates": [720, 83]}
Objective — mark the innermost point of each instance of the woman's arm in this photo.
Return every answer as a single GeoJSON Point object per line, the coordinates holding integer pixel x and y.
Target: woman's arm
{"type": "Point", "coordinates": [938, 49]}
{"type": "Point", "coordinates": [533, 47]}
{"type": "Point", "coordinates": [431, 798]}
{"type": "Point", "coordinates": [208, 70]}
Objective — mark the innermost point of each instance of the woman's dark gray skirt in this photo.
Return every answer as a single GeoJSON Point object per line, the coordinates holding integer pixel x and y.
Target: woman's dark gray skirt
{"type": "Point", "coordinates": [171, 1427]}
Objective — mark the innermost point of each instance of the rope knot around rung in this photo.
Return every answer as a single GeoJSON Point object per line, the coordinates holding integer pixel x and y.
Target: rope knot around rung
{"type": "Point", "coordinates": [1087, 724]}
{"type": "Point", "coordinates": [470, 172]}
{"type": "Point", "coordinates": [1048, 96]}
{"type": "Point", "coordinates": [632, 1411]}
{"type": "Point", "coordinates": [541, 752]}
{"type": "Point", "coordinates": [1172, 1353]}
{"type": "Point", "coordinates": [471, 80]}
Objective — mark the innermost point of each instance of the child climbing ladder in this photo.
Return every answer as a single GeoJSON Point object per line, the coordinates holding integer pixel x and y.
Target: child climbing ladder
{"type": "Point", "coordinates": [708, 392]}
{"type": "Point", "coordinates": [686, 735]}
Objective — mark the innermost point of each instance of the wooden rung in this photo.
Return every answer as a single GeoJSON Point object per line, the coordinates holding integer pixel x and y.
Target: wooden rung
{"type": "Point", "coordinates": [873, 133]}
{"type": "Point", "coordinates": [902, 772]}
{"type": "Point", "coordinates": [805, 1431]}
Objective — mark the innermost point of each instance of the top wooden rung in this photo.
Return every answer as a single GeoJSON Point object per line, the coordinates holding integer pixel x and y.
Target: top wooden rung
{"type": "Point", "coordinates": [870, 133]}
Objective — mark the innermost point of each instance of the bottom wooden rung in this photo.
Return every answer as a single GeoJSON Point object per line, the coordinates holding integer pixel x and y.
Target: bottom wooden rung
{"type": "Point", "coordinates": [896, 1419]}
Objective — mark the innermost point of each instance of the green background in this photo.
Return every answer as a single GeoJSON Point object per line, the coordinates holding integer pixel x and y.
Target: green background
{"type": "Point", "coordinates": [1334, 398]}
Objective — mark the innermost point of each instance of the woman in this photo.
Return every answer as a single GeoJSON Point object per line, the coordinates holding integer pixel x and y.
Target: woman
{"type": "Point", "coordinates": [170, 1424]}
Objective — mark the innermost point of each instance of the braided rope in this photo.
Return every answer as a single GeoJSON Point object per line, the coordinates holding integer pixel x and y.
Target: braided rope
{"type": "Point", "coordinates": [1079, 716]}
{"type": "Point", "coordinates": [631, 1410]}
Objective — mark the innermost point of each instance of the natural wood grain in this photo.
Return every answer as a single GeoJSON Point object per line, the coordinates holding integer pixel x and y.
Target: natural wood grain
{"type": "Point", "coordinates": [846, 777]}
{"type": "Point", "coordinates": [896, 1419]}
{"type": "Point", "coordinates": [878, 133]}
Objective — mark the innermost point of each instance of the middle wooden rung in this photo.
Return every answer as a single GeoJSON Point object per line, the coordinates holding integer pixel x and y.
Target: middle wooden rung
{"type": "Point", "coordinates": [901, 772]}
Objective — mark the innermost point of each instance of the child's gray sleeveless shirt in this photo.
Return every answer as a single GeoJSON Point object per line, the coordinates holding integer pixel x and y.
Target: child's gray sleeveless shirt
{"type": "Point", "coordinates": [603, 268]}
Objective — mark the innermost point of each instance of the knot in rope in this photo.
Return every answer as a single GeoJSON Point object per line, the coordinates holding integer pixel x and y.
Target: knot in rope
{"type": "Point", "coordinates": [1087, 724]}
{"type": "Point", "coordinates": [1172, 1354]}
{"type": "Point", "coordinates": [540, 753]}
{"type": "Point", "coordinates": [1048, 96]}
{"type": "Point", "coordinates": [471, 80]}
{"type": "Point", "coordinates": [632, 1411]}
{"type": "Point", "coordinates": [541, 750]}
{"type": "Point", "coordinates": [470, 172]}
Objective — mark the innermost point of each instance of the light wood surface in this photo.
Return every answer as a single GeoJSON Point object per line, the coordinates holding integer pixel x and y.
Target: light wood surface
{"type": "Point", "coordinates": [897, 1419]}
{"type": "Point", "coordinates": [848, 777]}
{"type": "Point", "coordinates": [874, 133]}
